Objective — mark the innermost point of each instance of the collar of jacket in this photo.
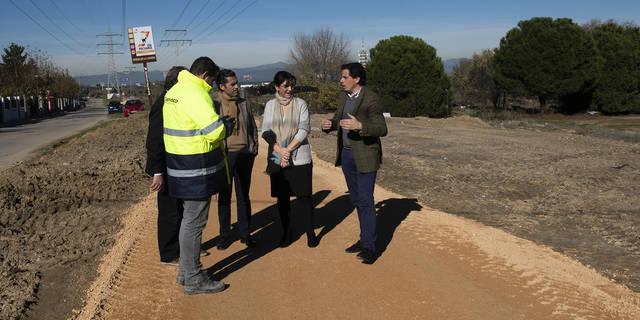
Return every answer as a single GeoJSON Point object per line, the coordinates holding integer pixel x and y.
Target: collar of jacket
{"type": "Point", "coordinates": [223, 97]}
{"type": "Point", "coordinates": [186, 76]}
{"type": "Point", "coordinates": [358, 99]}
{"type": "Point", "coordinates": [356, 94]}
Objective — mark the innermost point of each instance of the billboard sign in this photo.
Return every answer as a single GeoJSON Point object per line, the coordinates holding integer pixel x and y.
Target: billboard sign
{"type": "Point", "coordinates": [141, 44]}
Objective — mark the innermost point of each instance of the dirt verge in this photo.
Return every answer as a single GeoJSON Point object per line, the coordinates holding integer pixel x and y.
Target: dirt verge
{"type": "Point", "coordinates": [572, 185]}
{"type": "Point", "coordinates": [59, 212]}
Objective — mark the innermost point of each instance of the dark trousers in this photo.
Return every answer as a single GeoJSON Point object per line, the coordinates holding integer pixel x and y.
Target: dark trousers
{"type": "Point", "coordinates": [361, 186]}
{"type": "Point", "coordinates": [169, 218]}
{"type": "Point", "coordinates": [240, 167]}
{"type": "Point", "coordinates": [284, 209]}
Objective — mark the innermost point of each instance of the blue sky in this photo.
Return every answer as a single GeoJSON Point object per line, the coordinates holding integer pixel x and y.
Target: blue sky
{"type": "Point", "coordinates": [243, 33]}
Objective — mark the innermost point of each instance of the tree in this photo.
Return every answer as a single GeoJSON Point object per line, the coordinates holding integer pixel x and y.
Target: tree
{"type": "Point", "coordinates": [618, 89]}
{"type": "Point", "coordinates": [33, 72]}
{"type": "Point", "coordinates": [547, 58]}
{"type": "Point", "coordinates": [409, 77]}
{"type": "Point", "coordinates": [472, 81]}
{"type": "Point", "coordinates": [318, 56]}
{"type": "Point", "coordinates": [13, 65]}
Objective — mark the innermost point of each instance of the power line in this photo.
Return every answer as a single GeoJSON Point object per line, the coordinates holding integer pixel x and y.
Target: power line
{"type": "Point", "coordinates": [209, 16]}
{"type": "Point", "coordinates": [197, 14]}
{"type": "Point", "coordinates": [45, 29]}
{"type": "Point", "coordinates": [178, 43]}
{"type": "Point", "coordinates": [128, 72]}
{"type": "Point", "coordinates": [229, 21]}
{"type": "Point", "coordinates": [54, 23]}
{"type": "Point", "coordinates": [238, 14]}
{"type": "Point", "coordinates": [181, 14]}
{"type": "Point", "coordinates": [213, 23]}
{"type": "Point", "coordinates": [124, 25]}
{"type": "Point", "coordinates": [65, 16]}
{"type": "Point", "coordinates": [111, 65]}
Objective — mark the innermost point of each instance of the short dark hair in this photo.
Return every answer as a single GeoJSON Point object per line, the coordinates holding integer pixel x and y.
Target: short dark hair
{"type": "Point", "coordinates": [282, 77]}
{"type": "Point", "coordinates": [172, 76]}
{"type": "Point", "coordinates": [204, 64]}
{"type": "Point", "coordinates": [356, 70]}
{"type": "Point", "coordinates": [223, 74]}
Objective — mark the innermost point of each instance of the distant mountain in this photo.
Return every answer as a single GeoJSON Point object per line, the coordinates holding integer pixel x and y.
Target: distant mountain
{"type": "Point", "coordinates": [136, 77]}
{"type": "Point", "coordinates": [259, 73]}
{"type": "Point", "coordinates": [452, 63]}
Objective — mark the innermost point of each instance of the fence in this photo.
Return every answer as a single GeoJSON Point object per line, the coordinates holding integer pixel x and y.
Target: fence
{"type": "Point", "coordinates": [15, 109]}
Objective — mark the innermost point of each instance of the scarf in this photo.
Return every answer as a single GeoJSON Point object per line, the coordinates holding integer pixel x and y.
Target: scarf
{"type": "Point", "coordinates": [282, 100]}
{"type": "Point", "coordinates": [230, 108]}
{"type": "Point", "coordinates": [285, 129]}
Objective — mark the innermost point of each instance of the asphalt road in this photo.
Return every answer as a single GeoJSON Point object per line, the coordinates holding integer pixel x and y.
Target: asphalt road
{"type": "Point", "coordinates": [18, 142]}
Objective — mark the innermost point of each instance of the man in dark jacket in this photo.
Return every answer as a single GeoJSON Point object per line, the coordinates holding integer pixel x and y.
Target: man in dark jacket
{"type": "Point", "coordinates": [360, 125]}
{"type": "Point", "coordinates": [242, 148]}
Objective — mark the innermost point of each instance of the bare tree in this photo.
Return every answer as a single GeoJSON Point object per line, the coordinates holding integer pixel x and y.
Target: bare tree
{"type": "Point", "coordinates": [473, 83]}
{"type": "Point", "coordinates": [318, 56]}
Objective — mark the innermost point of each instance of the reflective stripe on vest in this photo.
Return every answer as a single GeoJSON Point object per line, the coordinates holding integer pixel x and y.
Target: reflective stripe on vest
{"type": "Point", "coordinates": [192, 133]}
{"type": "Point", "coordinates": [195, 172]}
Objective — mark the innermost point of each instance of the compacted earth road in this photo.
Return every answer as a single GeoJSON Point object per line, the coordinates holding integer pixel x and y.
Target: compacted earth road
{"type": "Point", "coordinates": [433, 266]}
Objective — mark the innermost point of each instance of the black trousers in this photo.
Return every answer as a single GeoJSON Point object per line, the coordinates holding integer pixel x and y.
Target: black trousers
{"type": "Point", "coordinates": [240, 167]}
{"type": "Point", "coordinates": [169, 218]}
{"type": "Point", "coordinates": [284, 209]}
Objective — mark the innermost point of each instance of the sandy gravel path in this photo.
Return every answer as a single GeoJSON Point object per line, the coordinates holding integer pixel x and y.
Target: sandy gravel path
{"type": "Point", "coordinates": [434, 266]}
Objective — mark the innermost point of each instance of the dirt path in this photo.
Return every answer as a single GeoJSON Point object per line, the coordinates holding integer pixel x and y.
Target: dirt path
{"type": "Point", "coordinates": [434, 266]}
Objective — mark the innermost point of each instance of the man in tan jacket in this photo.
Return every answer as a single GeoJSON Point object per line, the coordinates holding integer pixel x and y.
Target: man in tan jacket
{"type": "Point", "coordinates": [242, 148]}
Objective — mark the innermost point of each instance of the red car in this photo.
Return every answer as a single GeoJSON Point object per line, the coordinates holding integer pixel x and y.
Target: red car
{"type": "Point", "coordinates": [132, 106]}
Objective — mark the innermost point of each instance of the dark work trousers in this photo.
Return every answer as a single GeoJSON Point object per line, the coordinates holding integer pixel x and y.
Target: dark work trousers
{"type": "Point", "coordinates": [169, 218]}
{"type": "Point", "coordinates": [240, 167]}
{"type": "Point", "coordinates": [361, 186]}
{"type": "Point", "coordinates": [284, 209]}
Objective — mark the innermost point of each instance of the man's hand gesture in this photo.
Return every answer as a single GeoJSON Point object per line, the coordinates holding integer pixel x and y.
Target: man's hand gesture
{"type": "Point", "coordinates": [351, 124]}
{"type": "Point", "coordinates": [326, 124]}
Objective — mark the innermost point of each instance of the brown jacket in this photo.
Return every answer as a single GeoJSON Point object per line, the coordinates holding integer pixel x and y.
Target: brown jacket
{"type": "Point", "coordinates": [250, 128]}
{"type": "Point", "coordinates": [366, 146]}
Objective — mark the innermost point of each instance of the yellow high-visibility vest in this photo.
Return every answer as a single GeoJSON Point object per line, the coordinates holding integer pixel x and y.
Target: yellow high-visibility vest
{"type": "Point", "coordinates": [193, 140]}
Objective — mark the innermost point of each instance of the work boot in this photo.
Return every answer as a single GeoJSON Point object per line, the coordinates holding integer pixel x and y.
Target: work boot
{"type": "Point", "coordinates": [205, 286]}
{"type": "Point", "coordinates": [224, 242]}
{"type": "Point", "coordinates": [312, 239]}
{"type": "Point", "coordinates": [354, 248]}
{"type": "Point", "coordinates": [248, 241]}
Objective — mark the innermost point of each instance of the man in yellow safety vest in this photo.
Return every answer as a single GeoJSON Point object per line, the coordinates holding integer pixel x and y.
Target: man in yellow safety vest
{"type": "Point", "coordinates": [196, 168]}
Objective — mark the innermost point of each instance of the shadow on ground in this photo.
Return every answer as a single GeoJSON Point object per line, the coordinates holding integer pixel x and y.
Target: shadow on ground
{"type": "Point", "coordinates": [266, 228]}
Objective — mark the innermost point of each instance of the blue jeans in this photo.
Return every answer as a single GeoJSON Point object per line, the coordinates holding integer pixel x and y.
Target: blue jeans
{"type": "Point", "coordinates": [361, 186]}
{"type": "Point", "coordinates": [240, 167]}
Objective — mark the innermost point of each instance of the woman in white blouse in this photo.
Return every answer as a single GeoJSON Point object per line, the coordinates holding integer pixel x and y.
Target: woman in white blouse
{"type": "Point", "coordinates": [285, 126]}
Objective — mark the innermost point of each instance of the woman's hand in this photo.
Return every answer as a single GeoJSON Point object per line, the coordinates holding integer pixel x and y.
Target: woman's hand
{"type": "Point", "coordinates": [284, 162]}
{"type": "Point", "coordinates": [283, 152]}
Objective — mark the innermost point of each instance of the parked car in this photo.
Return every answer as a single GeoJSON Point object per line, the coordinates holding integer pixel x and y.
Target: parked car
{"type": "Point", "coordinates": [114, 107]}
{"type": "Point", "coordinates": [132, 106]}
